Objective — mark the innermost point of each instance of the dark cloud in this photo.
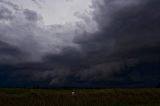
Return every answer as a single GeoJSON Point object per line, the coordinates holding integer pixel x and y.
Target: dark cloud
{"type": "Point", "coordinates": [8, 53]}
{"type": "Point", "coordinates": [124, 52]}
{"type": "Point", "coordinates": [10, 4]}
{"type": "Point", "coordinates": [31, 15]}
{"type": "Point", "coordinates": [5, 13]}
{"type": "Point", "coordinates": [130, 37]}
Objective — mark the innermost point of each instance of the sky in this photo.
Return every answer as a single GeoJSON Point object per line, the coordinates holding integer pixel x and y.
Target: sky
{"type": "Point", "coordinates": [75, 43]}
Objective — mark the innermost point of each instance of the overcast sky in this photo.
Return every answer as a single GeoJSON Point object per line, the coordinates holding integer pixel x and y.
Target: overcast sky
{"type": "Point", "coordinates": [111, 43]}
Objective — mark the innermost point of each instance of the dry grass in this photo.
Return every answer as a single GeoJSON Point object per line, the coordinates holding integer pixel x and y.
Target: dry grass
{"type": "Point", "coordinates": [83, 97]}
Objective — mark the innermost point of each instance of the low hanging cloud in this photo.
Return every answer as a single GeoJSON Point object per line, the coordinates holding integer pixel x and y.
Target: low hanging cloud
{"type": "Point", "coordinates": [128, 37]}
{"type": "Point", "coordinates": [24, 29]}
{"type": "Point", "coordinates": [123, 50]}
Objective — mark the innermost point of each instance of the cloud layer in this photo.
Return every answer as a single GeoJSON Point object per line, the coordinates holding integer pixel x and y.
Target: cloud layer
{"type": "Point", "coordinates": [118, 45]}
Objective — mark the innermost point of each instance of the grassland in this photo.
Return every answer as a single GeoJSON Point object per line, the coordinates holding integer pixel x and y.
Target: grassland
{"type": "Point", "coordinates": [83, 97]}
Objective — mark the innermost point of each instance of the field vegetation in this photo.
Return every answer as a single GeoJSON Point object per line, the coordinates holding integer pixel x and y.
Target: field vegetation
{"type": "Point", "coordinates": [82, 97]}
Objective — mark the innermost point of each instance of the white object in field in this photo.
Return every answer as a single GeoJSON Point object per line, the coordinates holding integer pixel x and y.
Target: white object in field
{"type": "Point", "coordinates": [73, 93]}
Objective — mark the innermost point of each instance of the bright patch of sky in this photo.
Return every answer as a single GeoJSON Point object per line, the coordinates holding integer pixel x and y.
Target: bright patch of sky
{"type": "Point", "coordinates": [57, 11]}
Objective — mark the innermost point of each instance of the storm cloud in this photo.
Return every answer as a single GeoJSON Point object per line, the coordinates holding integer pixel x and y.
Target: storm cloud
{"type": "Point", "coordinates": [117, 46]}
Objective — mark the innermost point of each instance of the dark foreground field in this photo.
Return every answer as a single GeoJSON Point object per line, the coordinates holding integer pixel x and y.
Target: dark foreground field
{"type": "Point", "coordinates": [83, 97]}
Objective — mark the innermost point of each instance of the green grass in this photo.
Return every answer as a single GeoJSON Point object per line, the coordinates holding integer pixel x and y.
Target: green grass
{"type": "Point", "coordinates": [83, 97]}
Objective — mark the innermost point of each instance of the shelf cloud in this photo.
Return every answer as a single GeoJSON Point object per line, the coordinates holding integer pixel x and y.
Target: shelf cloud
{"type": "Point", "coordinates": [117, 44]}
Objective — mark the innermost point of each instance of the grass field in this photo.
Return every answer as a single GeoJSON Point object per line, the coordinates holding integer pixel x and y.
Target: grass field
{"type": "Point", "coordinates": [82, 97]}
